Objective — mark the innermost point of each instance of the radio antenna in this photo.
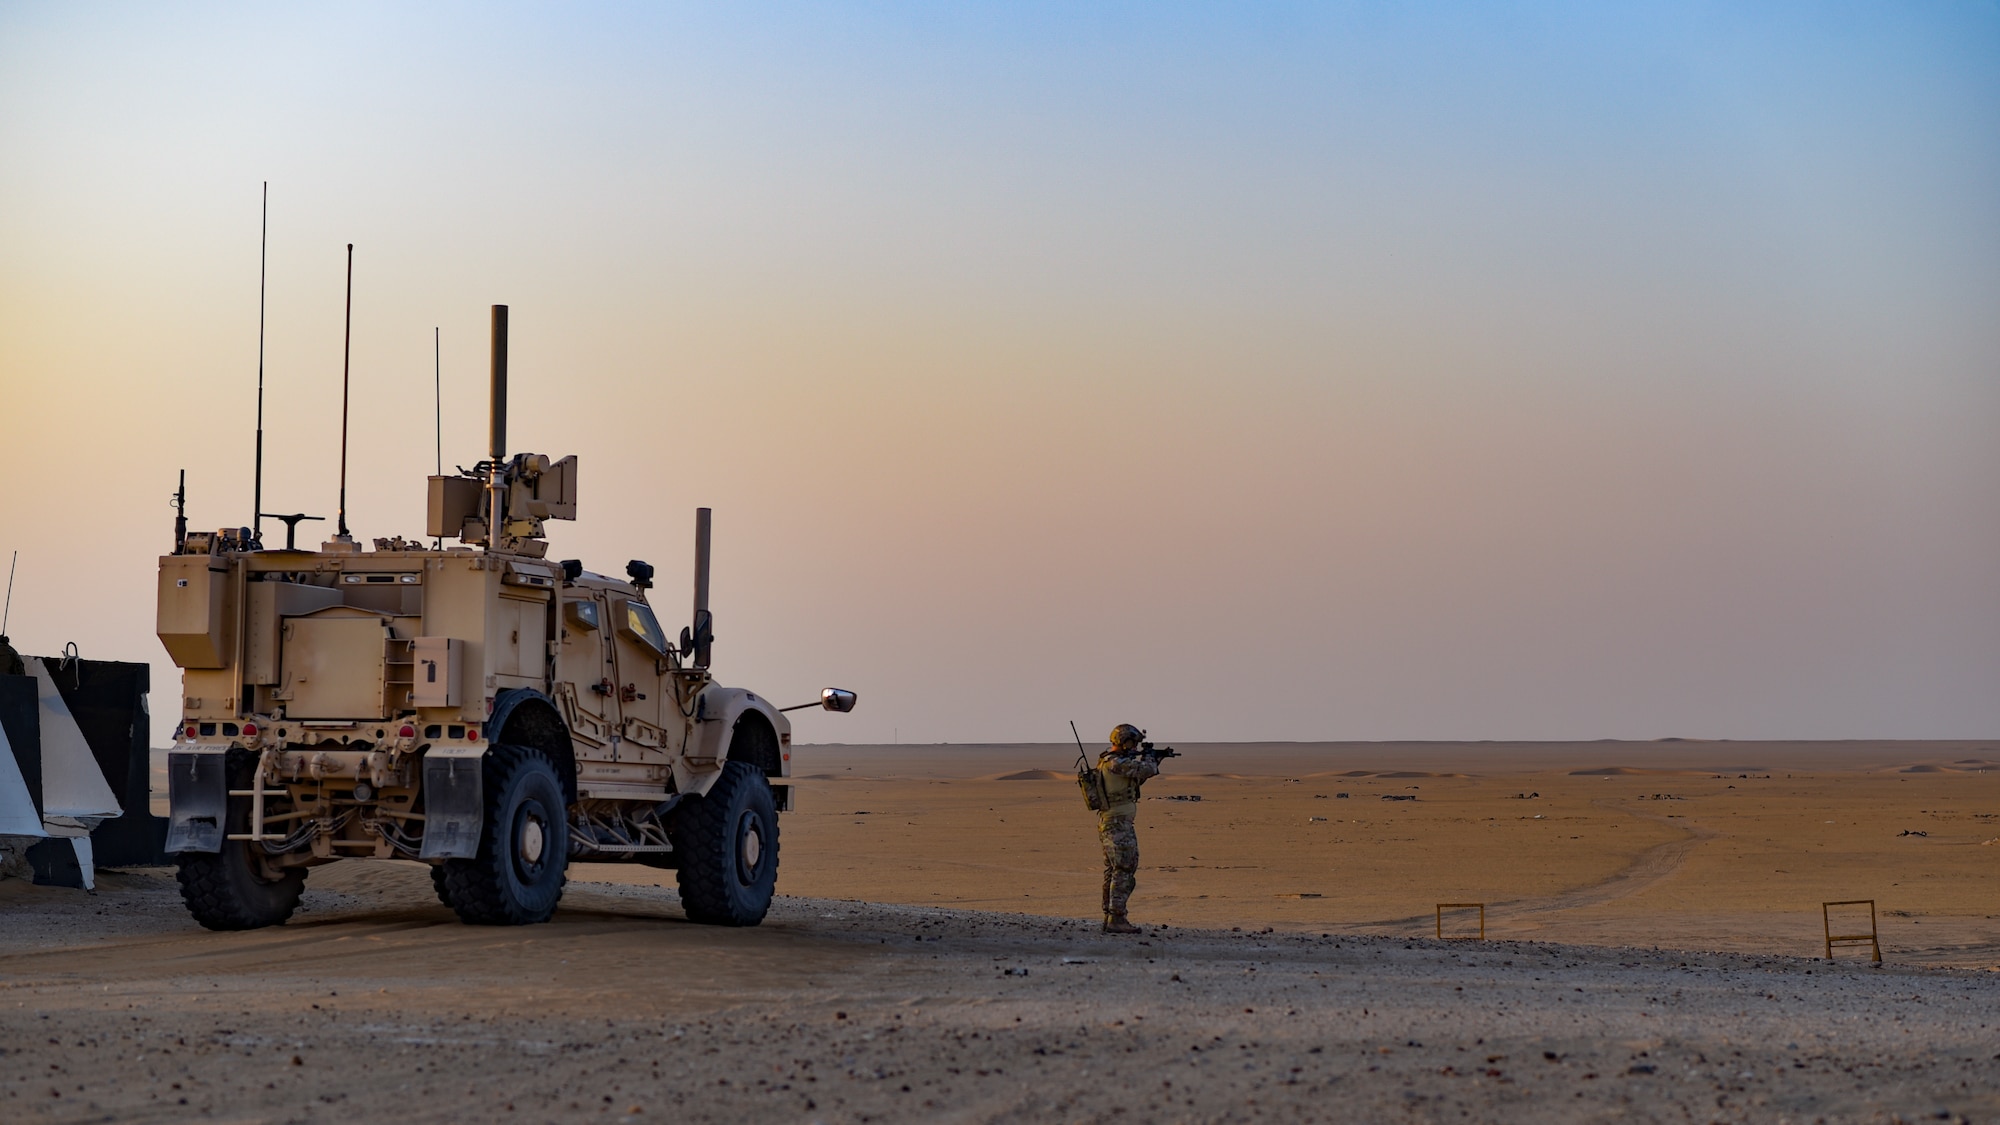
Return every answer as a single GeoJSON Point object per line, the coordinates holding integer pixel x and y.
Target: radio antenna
{"type": "Point", "coordinates": [346, 352]}
{"type": "Point", "coordinates": [7, 613]}
{"type": "Point", "coordinates": [437, 374]}
{"type": "Point", "coordinates": [263, 260]}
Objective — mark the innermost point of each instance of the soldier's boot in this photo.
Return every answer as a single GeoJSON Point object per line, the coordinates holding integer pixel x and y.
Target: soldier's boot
{"type": "Point", "coordinates": [1117, 924]}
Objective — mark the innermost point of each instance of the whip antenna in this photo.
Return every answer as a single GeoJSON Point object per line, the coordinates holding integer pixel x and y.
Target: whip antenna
{"type": "Point", "coordinates": [9, 611]}
{"type": "Point", "coordinates": [1082, 759]}
{"type": "Point", "coordinates": [263, 259]}
{"type": "Point", "coordinates": [346, 351]}
{"type": "Point", "coordinates": [437, 374]}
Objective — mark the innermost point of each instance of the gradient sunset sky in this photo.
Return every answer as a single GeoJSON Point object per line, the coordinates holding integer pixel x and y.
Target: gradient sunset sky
{"type": "Point", "coordinates": [1242, 371]}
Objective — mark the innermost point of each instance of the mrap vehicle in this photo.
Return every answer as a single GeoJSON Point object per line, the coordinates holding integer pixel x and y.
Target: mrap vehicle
{"type": "Point", "coordinates": [475, 707]}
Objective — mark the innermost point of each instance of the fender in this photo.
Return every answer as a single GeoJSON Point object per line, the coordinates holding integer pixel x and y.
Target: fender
{"type": "Point", "coordinates": [544, 730]}
{"type": "Point", "coordinates": [197, 800]}
{"type": "Point", "coordinates": [454, 780]}
{"type": "Point", "coordinates": [716, 711]}
{"type": "Point", "coordinates": [504, 705]}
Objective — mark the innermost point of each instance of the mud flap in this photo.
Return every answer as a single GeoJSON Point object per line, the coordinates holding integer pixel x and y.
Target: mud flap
{"type": "Point", "coordinates": [454, 807]}
{"type": "Point", "coordinates": [197, 796]}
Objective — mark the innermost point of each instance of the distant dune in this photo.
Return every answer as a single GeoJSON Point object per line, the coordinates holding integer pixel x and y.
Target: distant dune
{"type": "Point", "coordinates": [1329, 776]}
{"type": "Point", "coordinates": [1030, 775]}
{"type": "Point", "coordinates": [1417, 773]}
{"type": "Point", "coordinates": [1386, 774]}
{"type": "Point", "coordinates": [1648, 771]}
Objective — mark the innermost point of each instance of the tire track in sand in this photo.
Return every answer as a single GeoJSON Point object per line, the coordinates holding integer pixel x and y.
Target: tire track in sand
{"type": "Point", "coordinates": [1649, 868]}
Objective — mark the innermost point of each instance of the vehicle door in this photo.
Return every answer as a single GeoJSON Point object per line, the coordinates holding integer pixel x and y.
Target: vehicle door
{"type": "Point", "coordinates": [641, 648]}
{"type": "Point", "coordinates": [586, 674]}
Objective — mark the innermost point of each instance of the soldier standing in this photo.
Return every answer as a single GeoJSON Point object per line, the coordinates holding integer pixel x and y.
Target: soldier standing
{"type": "Point", "coordinates": [1121, 769]}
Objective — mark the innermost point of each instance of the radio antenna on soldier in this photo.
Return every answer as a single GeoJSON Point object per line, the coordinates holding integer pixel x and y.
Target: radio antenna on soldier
{"type": "Point", "coordinates": [1083, 760]}
{"type": "Point", "coordinates": [346, 351]}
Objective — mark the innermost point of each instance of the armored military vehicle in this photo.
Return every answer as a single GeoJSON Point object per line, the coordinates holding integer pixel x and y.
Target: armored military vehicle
{"type": "Point", "coordinates": [475, 706]}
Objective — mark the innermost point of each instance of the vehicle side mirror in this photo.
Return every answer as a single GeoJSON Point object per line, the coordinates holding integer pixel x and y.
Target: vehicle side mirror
{"type": "Point", "coordinates": [837, 699]}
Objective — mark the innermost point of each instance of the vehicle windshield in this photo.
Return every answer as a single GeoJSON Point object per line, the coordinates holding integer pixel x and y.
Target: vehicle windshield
{"type": "Point", "coordinates": [643, 627]}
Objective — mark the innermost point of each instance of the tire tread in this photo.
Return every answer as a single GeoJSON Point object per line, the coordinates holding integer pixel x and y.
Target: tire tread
{"type": "Point", "coordinates": [212, 900]}
{"type": "Point", "coordinates": [472, 887]}
{"type": "Point", "coordinates": [218, 888]}
{"type": "Point", "coordinates": [702, 836]}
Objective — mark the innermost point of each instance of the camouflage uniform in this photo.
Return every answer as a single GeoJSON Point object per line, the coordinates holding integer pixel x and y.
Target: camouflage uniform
{"type": "Point", "coordinates": [1123, 769]}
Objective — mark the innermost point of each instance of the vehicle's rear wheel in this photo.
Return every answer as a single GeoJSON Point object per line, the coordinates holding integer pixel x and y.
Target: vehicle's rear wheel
{"type": "Point", "coordinates": [235, 888]}
{"type": "Point", "coordinates": [516, 877]}
{"type": "Point", "coordinates": [438, 885]}
{"type": "Point", "coordinates": [727, 840]}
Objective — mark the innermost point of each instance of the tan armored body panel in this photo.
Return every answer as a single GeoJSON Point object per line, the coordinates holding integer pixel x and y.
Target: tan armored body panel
{"type": "Point", "coordinates": [476, 706]}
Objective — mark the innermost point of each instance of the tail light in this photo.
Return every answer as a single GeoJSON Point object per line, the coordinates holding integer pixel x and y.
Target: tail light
{"type": "Point", "coordinates": [472, 734]}
{"type": "Point", "coordinates": [407, 731]}
{"type": "Point", "coordinates": [191, 730]}
{"type": "Point", "coordinates": [249, 730]}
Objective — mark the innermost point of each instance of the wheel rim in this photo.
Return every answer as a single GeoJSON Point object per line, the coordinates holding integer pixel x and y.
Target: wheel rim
{"type": "Point", "coordinates": [749, 848]}
{"type": "Point", "coordinates": [531, 840]}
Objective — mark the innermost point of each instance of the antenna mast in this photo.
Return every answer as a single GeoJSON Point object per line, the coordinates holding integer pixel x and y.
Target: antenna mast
{"type": "Point", "coordinates": [263, 260]}
{"type": "Point", "coordinates": [496, 429]}
{"type": "Point", "coordinates": [346, 352]}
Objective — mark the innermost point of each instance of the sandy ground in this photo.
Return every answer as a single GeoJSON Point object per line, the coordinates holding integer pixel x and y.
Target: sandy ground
{"type": "Point", "coordinates": [375, 1004]}
{"type": "Point", "coordinates": [1692, 845]}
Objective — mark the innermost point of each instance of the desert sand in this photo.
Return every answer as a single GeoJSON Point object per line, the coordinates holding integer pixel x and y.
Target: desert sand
{"type": "Point", "coordinates": [1652, 956]}
{"type": "Point", "coordinates": [1687, 845]}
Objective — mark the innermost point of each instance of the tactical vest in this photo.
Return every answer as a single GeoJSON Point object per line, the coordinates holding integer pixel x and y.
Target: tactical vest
{"type": "Point", "coordinates": [1121, 793]}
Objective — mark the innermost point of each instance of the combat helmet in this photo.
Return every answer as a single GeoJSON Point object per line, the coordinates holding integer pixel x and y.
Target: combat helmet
{"type": "Point", "coordinates": [1125, 736]}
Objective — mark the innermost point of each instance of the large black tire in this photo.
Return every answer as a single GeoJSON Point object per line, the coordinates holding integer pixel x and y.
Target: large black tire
{"type": "Point", "coordinates": [232, 889]}
{"type": "Point", "coordinates": [438, 886]}
{"type": "Point", "coordinates": [728, 845]}
{"type": "Point", "coordinates": [516, 878]}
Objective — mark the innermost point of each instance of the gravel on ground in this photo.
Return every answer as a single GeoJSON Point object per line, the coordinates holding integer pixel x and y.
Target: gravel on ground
{"type": "Point", "coordinates": [376, 1004]}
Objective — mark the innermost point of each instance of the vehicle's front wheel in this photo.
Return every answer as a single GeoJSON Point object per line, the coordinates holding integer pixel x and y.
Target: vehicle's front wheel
{"type": "Point", "coordinates": [236, 888]}
{"type": "Point", "coordinates": [516, 877]}
{"type": "Point", "coordinates": [728, 845]}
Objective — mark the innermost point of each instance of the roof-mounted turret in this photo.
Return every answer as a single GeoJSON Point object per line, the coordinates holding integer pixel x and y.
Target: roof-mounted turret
{"type": "Point", "coordinates": [501, 502]}
{"type": "Point", "coordinates": [531, 488]}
